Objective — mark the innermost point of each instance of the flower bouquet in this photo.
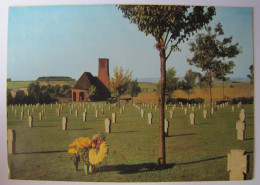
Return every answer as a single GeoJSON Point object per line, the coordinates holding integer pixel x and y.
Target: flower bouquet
{"type": "Point", "coordinates": [92, 152]}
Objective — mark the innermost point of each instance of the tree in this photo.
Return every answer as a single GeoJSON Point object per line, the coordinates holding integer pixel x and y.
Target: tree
{"type": "Point", "coordinates": [169, 25]}
{"type": "Point", "coordinates": [34, 90]}
{"type": "Point", "coordinates": [119, 84]}
{"type": "Point", "coordinates": [224, 69]}
{"type": "Point", "coordinates": [210, 51]}
{"type": "Point", "coordinates": [171, 83]}
{"type": "Point", "coordinates": [9, 97]}
{"type": "Point", "coordinates": [134, 89]}
{"type": "Point", "coordinates": [251, 76]}
{"type": "Point", "coordinates": [92, 92]}
{"type": "Point", "coordinates": [189, 82]}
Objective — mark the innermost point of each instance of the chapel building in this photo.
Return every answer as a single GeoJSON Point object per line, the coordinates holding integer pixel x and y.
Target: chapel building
{"type": "Point", "coordinates": [80, 90]}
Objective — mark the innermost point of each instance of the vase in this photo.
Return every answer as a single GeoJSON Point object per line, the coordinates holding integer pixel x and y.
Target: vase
{"type": "Point", "coordinates": [86, 168]}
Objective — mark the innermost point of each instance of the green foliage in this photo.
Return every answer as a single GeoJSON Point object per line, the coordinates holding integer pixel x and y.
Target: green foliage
{"type": "Point", "coordinates": [170, 24]}
{"type": "Point", "coordinates": [251, 75]}
{"type": "Point", "coordinates": [189, 82]}
{"type": "Point", "coordinates": [210, 51]}
{"type": "Point", "coordinates": [92, 92]}
{"type": "Point", "coordinates": [120, 83]}
{"type": "Point", "coordinates": [55, 78]}
{"type": "Point", "coordinates": [134, 88]}
{"type": "Point", "coordinates": [171, 82]}
{"type": "Point", "coordinates": [9, 80]}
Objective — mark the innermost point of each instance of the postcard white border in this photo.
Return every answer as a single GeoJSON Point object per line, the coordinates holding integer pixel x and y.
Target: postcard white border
{"type": "Point", "coordinates": [4, 4]}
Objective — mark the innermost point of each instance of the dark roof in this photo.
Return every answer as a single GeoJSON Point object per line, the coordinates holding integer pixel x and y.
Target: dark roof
{"type": "Point", "coordinates": [85, 81]}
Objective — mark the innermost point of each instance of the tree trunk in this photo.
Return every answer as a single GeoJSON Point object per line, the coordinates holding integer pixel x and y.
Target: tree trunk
{"type": "Point", "coordinates": [119, 102]}
{"type": "Point", "coordinates": [210, 92]}
{"type": "Point", "coordinates": [223, 90]}
{"type": "Point", "coordinates": [161, 157]}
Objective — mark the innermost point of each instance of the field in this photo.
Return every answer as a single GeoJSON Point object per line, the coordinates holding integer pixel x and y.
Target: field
{"type": "Point", "coordinates": [25, 84]}
{"type": "Point", "coordinates": [239, 89]}
{"type": "Point", "coordinates": [193, 152]}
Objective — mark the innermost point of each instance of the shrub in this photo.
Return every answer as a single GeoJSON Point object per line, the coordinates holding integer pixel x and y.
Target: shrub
{"type": "Point", "coordinates": [243, 100]}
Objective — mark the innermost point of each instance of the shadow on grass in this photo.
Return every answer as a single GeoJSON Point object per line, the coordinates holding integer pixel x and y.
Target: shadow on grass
{"type": "Point", "coordinates": [202, 123]}
{"type": "Point", "coordinates": [43, 152]}
{"type": "Point", "coordinates": [203, 160]}
{"type": "Point", "coordinates": [183, 135]}
{"type": "Point", "coordinates": [251, 138]}
{"type": "Point", "coordinates": [80, 128]}
{"type": "Point", "coordinates": [146, 167]}
{"type": "Point", "coordinates": [124, 132]}
{"type": "Point", "coordinates": [132, 168]}
{"type": "Point", "coordinates": [45, 126]}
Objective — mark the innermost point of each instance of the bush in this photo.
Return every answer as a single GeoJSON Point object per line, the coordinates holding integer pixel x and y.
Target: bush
{"type": "Point", "coordinates": [184, 101]}
{"type": "Point", "coordinates": [243, 100]}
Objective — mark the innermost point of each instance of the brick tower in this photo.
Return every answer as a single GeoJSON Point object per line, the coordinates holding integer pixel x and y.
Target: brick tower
{"type": "Point", "coordinates": [103, 71]}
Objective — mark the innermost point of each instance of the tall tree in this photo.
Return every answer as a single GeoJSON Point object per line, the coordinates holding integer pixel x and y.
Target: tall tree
{"type": "Point", "coordinates": [169, 25]}
{"type": "Point", "coordinates": [251, 75]}
{"type": "Point", "coordinates": [189, 82]}
{"type": "Point", "coordinates": [223, 70]}
{"type": "Point", "coordinates": [119, 84]}
{"type": "Point", "coordinates": [134, 89]}
{"type": "Point", "coordinates": [210, 51]}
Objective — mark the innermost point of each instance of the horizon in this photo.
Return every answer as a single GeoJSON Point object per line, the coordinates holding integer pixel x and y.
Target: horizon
{"type": "Point", "coordinates": [50, 40]}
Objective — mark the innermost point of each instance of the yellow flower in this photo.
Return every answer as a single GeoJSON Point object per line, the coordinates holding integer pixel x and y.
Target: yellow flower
{"type": "Point", "coordinates": [86, 142]}
{"type": "Point", "coordinates": [96, 158]}
{"type": "Point", "coordinates": [72, 151]}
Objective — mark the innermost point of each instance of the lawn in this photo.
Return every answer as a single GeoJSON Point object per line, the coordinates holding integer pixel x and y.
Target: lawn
{"type": "Point", "coordinates": [193, 152]}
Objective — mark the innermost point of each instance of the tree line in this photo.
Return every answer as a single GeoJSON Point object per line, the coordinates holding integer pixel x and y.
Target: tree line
{"type": "Point", "coordinates": [39, 94]}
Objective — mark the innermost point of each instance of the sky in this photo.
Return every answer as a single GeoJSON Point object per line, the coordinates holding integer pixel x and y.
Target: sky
{"type": "Point", "coordinates": [68, 40]}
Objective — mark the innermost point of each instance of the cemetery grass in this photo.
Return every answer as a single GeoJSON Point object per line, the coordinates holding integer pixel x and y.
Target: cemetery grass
{"type": "Point", "coordinates": [193, 152]}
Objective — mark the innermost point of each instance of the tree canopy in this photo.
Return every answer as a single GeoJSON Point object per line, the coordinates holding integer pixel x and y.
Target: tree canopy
{"type": "Point", "coordinates": [169, 25]}
{"type": "Point", "coordinates": [211, 53]}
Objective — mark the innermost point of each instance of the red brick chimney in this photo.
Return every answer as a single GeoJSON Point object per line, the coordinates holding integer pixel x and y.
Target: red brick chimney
{"type": "Point", "coordinates": [103, 71]}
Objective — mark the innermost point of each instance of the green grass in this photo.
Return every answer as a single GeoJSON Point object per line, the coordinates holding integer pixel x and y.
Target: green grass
{"type": "Point", "coordinates": [18, 84]}
{"type": "Point", "coordinates": [193, 152]}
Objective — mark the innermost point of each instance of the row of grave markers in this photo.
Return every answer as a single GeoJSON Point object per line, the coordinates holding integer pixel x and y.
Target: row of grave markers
{"type": "Point", "coordinates": [235, 174]}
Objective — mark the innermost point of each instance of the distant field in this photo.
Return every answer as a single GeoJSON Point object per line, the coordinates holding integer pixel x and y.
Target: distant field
{"type": "Point", "coordinates": [25, 84]}
{"type": "Point", "coordinates": [18, 84]}
{"type": "Point", "coordinates": [240, 89]}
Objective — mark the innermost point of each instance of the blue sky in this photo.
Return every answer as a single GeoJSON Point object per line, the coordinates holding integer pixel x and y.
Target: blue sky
{"type": "Point", "coordinates": [68, 40]}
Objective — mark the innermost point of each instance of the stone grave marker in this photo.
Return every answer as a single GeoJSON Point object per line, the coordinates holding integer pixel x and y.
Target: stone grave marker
{"type": "Point", "coordinates": [113, 117]}
{"type": "Point", "coordinates": [185, 111]}
{"type": "Point", "coordinates": [40, 116]}
{"type": "Point", "coordinates": [121, 111]}
{"type": "Point", "coordinates": [22, 114]}
{"type": "Point", "coordinates": [192, 118]}
{"type": "Point", "coordinates": [76, 113]}
{"type": "Point", "coordinates": [84, 116]}
{"type": "Point", "coordinates": [212, 110]}
{"type": "Point", "coordinates": [142, 113]}
{"type": "Point", "coordinates": [96, 113]}
{"type": "Point", "coordinates": [237, 164]}
{"type": "Point", "coordinates": [205, 112]}
{"type": "Point", "coordinates": [150, 118]}
{"type": "Point", "coordinates": [171, 113]}
{"type": "Point", "coordinates": [107, 125]}
{"type": "Point", "coordinates": [240, 127]}
{"type": "Point", "coordinates": [233, 108]}
{"type": "Point", "coordinates": [30, 120]}
{"type": "Point", "coordinates": [64, 123]}
{"type": "Point", "coordinates": [166, 127]}
{"type": "Point", "coordinates": [242, 116]}
{"type": "Point", "coordinates": [11, 139]}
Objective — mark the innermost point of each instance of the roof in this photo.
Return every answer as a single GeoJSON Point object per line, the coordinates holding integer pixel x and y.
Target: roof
{"type": "Point", "coordinates": [85, 81]}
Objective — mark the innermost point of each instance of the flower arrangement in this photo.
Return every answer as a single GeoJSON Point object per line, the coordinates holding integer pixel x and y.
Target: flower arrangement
{"type": "Point", "coordinates": [92, 152]}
